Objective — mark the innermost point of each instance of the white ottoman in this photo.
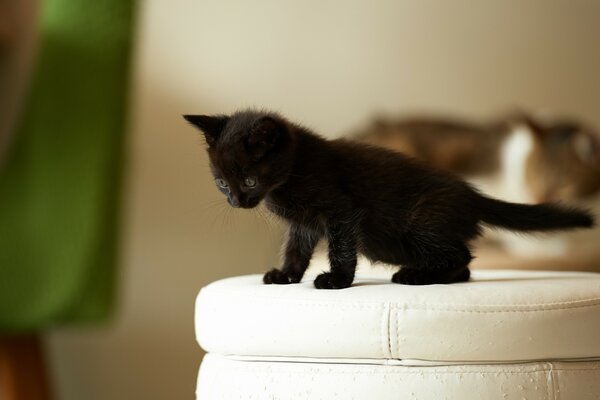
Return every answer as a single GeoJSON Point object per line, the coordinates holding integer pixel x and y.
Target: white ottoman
{"type": "Point", "coordinates": [503, 335]}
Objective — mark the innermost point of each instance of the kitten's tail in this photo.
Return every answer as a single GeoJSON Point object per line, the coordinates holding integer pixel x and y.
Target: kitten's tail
{"type": "Point", "coordinates": [529, 217]}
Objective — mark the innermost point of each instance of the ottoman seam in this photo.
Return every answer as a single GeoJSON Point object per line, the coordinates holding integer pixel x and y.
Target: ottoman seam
{"type": "Point", "coordinates": [577, 369]}
{"type": "Point", "coordinates": [532, 307]}
{"type": "Point", "coordinates": [552, 380]}
{"type": "Point", "coordinates": [428, 308]}
{"type": "Point", "coordinates": [383, 331]}
{"type": "Point", "coordinates": [370, 372]}
{"type": "Point", "coordinates": [549, 389]}
{"type": "Point", "coordinates": [425, 308]}
{"type": "Point", "coordinates": [389, 330]}
{"type": "Point", "coordinates": [397, 332]}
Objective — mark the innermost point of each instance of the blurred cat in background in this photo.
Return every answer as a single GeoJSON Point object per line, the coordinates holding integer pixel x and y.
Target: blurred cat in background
{"type": "Point", "coordinates": [519, 157]}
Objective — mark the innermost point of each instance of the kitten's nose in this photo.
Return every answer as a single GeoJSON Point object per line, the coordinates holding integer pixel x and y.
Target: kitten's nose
{"type": "Point", "coordinates": [233, 201]}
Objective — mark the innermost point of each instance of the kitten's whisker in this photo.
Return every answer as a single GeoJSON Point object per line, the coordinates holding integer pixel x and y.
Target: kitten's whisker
{"type": "Point", "coordinates": [265, 218]}
{"type": "Point", "coordinates": [216, 216]}
{"type": "Point", "coordinates": [208, 211]}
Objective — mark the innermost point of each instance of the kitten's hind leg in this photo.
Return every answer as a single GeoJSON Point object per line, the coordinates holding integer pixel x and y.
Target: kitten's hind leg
{"type": "Point", "coordinates": [439, 264]}
{"type": "Point", "coordinates": [298, 252]}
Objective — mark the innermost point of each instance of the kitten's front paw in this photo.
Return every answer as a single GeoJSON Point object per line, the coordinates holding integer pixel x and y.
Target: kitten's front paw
{"type": "Point", "coordinates": [329, 280]}
{"type": "Point", "coordinates": [278, 277]}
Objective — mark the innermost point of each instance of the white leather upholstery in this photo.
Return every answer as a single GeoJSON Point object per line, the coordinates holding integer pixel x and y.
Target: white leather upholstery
{"type": "Point", "coordinates": [499, 316]}
{"type": "Point", "coordinates": [224, 378]}
{"type": "Point", "coordinates": [504, 335]}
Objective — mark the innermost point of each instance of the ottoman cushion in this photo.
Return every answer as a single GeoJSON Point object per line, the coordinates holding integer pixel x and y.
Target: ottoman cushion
{"type": "Point", "coordinates": [498, 316]}
{"type": "Point", "coordinates": [227, 378]}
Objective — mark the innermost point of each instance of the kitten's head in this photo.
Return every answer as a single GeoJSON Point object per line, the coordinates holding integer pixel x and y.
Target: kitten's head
{"type": "Point", "coordinates": [250, 153]}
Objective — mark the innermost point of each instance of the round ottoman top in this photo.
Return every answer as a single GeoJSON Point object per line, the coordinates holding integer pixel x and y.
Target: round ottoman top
{"type": "Point", "coordinates": [502, 316]}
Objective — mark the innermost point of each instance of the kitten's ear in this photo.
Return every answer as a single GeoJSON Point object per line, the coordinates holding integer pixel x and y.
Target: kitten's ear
{"type": "Point", "coordinates": [264, 136]}
{"type": "Point", "coordinates": [211, 126]}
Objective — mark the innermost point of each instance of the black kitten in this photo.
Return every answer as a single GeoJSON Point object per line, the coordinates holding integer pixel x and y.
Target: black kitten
{"type": "Point", "coordinates": [362, 199]}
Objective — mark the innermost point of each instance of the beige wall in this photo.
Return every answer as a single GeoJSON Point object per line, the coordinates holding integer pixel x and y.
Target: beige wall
{"type": "Point", "coordinates": [328, 64]}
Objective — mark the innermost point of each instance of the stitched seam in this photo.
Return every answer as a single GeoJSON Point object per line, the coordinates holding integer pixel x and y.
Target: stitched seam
{"type": "Point", "coordinates": [412, 308]}
{"type": "Point", "coordinates": [382, 333]}
{"type": "Point", "coordinates": [548, 394]}
{"type": "Point", "coordinates": [358, 360]}
{"type": "Point", "coordinates": [549, 390]}
{"type": "Point", "coordinates": [389, 315]}
{"type": "Point", "coordinates": [404, 372]}
{"type": "Point", "coordinates": [397, 334]}
{"type": "Point", "coordinates": [542, 307]}
{"type": "Point", "coordinates": [492, 311]}
{"type": "Point", "coordinates": [556, 381]}
{"type": "Point", "coordinates": [555, 386]}
{"type": "Point", "coordinates": [595, 300]}
{"type": "Point", "coordinates": [567, 370]}
{"type": "Point", "coordinates": [386, 369]}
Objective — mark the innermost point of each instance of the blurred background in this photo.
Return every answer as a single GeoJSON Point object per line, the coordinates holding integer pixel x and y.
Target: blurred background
{"type": "Point", "coordinates": [109, 219]}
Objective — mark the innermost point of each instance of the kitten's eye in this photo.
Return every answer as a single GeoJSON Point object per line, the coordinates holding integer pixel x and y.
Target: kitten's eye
{"type": "Point", "coordinates": [250, 181]}
{"type": "Point", "coordinates": [221, 183]}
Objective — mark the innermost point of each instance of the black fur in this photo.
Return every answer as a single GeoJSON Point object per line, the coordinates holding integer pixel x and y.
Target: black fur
{"type": "Point", "coordinates": [362, 199]}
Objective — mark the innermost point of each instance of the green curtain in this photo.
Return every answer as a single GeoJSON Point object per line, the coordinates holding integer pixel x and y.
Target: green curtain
{"type": "Point", "coordinates": [60, 184]}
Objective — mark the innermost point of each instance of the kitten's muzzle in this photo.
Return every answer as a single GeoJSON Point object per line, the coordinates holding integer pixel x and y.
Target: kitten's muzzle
{"type": "Point", "coordinates": [243, 202]}
{"type": "Point", "coordinates": [233, 201]}
{"type": "Point", "coordinates": [250, 202]}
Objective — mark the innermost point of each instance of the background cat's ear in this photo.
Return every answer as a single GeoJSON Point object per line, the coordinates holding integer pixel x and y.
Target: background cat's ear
{"type": "Point", "coordinates": [264, 136]}
{"type": "Point", "coordinates": [587, 148]}
{"type": "Point", "coordinates": [211, 126]}
{"type": "Point", "coordinates": [532, 124]}
{"type": "Point", "coordinates": [520, 119]}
